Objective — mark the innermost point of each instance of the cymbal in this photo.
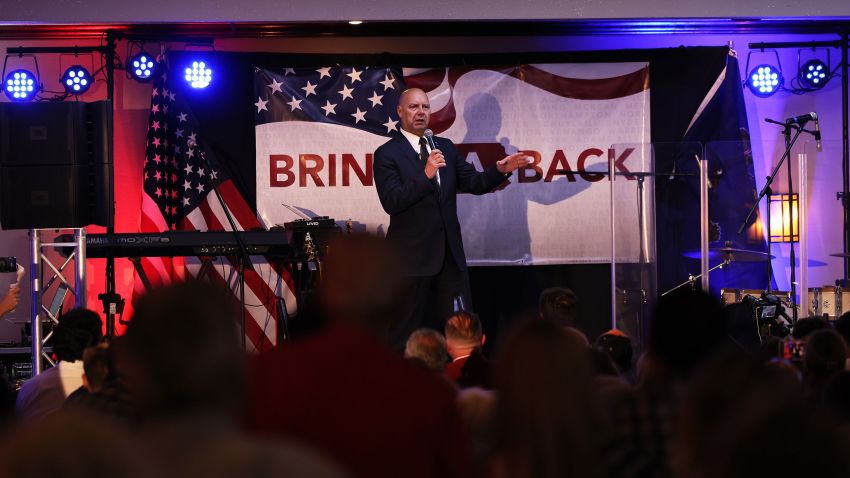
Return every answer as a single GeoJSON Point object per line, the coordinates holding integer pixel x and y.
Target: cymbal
{"type": "Point", "coordinates": [840, 254]}
{"type": "Point", "coordinates": [731, 253]}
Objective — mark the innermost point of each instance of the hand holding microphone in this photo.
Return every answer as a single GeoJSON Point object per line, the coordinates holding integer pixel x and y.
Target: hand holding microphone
{"type": "Point", "coordinates": [435, 161]}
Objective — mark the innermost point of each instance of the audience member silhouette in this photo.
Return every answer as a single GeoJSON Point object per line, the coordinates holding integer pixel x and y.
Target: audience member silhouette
{"type": "Point", "coordinates": [45, 393]}
{"type": "Point", "coordinates": [825, 356]}
{"type": "Point", "coordinates": [618, 346]}
{"type": "Point", "coordinates": [185, 369]}
{"type": "Point", "coordinates": [105, 393]}
{"type": "Point", "coordinates": [346, 392]}
{"type": "Point", "coordinates": [688, 326]}
{"type": "Point", "coordinates": [805, 327]}
{"type": "Point", "coordinates": [546, 420]}
{"type": "Point", "coordinates": [729, 396]}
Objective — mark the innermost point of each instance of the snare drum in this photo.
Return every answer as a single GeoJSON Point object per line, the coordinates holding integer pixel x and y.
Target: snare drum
{"type": "Point", "coordinates": [828, 301]}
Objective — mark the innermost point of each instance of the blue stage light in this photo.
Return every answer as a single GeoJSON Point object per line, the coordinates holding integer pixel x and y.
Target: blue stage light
{"type": "Point", "coordinates": [141, 66]}
{"type": "Point", "coordinates": [764, 80]}
{"type": "Point", "coordinates": [76, 80]}
{"type": "Point", "coordinates": [813, 74]}
{"type": "Point", "coordinates": [20, 85]}
{"type": "Point", "coordinates": [199, 75]}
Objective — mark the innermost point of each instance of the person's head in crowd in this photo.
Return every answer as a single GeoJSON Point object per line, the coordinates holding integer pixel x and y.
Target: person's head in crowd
{"type": "Point", "coordinates": [804, 327]}
{"type": "Point", "coordinates": [182, 352]}
{"type": "Point", "coordinates": [601, 363]}
{"type": "Point", "coordinates": [361, 283]}
{"type": "Point", "coordinates": [819, 447]}
{"type": "Point", "coordinates": [687, 327]}
{"type": "Point", "coordinates": [729, 395]}
{"type": "Point", "coordinates": [545, 410]}
{"type": "Point", "coordinates": [477, 407]}
{"type": "Point", "coordinates": [618, 346]}
{"type": "Point", "coordinates": [429, 347]}
{"type": "Point", "coordinates": [95, 366]}
{"type": "Point", "coordinates": [825, 355]}
{"type": "Point", "coordinates": [77, 330]}
{"type": "Point", "coordinates": [842, 326]}
{"type": "Point", "coordinates": [825, 352]}
{"type": "Point", "coordinates": [464, 334]}
{"type": "Point", "coordinates": [559, 305]}
{"type": "Point", "coordinates": [577, 337]}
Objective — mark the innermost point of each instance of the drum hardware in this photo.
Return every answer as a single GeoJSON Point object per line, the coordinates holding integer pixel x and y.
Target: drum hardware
{"type": "Point", "coordinates": [692, 279]}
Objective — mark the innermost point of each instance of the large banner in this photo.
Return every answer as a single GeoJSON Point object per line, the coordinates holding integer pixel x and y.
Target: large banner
{"type": "Point", "coordinates": [317, 128]}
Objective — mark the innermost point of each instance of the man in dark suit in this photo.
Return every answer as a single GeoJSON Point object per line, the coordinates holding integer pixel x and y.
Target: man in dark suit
{"type": "Point", "coordinates": [417, 186]}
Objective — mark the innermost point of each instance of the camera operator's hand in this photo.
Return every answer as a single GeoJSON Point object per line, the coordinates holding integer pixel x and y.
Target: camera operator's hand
{"type": "Point", "coordinates": [9, 301]}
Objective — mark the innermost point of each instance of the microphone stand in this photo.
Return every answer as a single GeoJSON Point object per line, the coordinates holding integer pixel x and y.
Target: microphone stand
{"type": "Point", "coordinates": [244, 257]}
{"type": "Point", "coordinates": [789, 143]}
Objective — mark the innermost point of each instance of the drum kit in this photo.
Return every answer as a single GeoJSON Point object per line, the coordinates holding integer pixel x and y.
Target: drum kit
{"type": "Point", "coordinates": [828, 302]}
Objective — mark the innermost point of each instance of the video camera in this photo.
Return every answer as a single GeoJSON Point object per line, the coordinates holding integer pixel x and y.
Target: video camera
{"type": "Point", "coordinates": [771, 313]}
{"type": "Point", "coordinates": [8, 264]}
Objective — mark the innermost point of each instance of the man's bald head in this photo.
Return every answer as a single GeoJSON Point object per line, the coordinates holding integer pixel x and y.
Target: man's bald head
{"type": "Point", "coordinates": [414, 111]}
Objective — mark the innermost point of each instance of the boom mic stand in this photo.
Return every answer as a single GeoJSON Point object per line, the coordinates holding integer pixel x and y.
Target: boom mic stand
{"type": "Point", "coordinates": [787, 125]}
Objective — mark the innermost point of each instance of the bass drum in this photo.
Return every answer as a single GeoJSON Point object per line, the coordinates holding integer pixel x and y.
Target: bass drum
{"type": "Point", "coordinates": [828, 302]}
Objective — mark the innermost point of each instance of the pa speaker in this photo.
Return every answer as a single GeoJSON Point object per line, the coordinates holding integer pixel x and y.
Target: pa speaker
{"type": "Point", "coordinates": [56, 165]}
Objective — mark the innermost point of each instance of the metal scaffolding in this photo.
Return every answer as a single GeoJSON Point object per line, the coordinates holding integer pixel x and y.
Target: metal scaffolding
{"type": "Point", "coordinates": [40, 311]}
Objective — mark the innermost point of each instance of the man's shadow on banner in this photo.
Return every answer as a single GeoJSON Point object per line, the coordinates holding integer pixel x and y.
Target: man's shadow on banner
{"type": "Point", "coordinates": [504, 213]}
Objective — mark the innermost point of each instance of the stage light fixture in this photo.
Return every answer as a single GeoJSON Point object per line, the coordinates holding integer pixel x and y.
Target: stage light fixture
{"type": "Point", "coordinates": [199, 74]}
{"type": "Point", "coordinates": [764, 80]}
{"type": "Point", "coordinates": [20, 85]}
{"type": "Point", "coordinates": [76, 80]}
{"type": "Point", "coordinates": [814, 74]}
{"type": "Point", "coordinates": [141, 66]}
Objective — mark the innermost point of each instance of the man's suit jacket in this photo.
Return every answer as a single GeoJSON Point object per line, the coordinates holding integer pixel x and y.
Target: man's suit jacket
{"type": "Point", "coordinates": [423, 218]}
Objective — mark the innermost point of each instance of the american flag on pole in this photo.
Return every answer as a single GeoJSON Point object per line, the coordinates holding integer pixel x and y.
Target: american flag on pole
{"type": "Point", "coordinates": [179, 173]}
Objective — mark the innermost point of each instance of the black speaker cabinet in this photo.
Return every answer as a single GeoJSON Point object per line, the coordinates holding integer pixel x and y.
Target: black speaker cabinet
{"type": "Point", "coordinates": [55, 164]}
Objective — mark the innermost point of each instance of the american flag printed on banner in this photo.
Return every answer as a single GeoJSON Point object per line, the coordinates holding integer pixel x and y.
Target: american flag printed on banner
{"type": "Point", "coordinates": [179, 174]}
{"type": "Point", "coordinates": [361, 97]}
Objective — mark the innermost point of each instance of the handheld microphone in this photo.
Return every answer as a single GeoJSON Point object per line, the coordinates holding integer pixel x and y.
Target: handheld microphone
{"type": "Point", "coordinates": [429, 136]}
{"type": "Point", "coordinates": [801, 120]}
{"type": "Point", "coordinates": [817, 134]}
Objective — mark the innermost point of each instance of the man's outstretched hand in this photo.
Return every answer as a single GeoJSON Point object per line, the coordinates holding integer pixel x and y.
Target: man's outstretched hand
{"type": "Point", "coordinates": [512, 162]}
